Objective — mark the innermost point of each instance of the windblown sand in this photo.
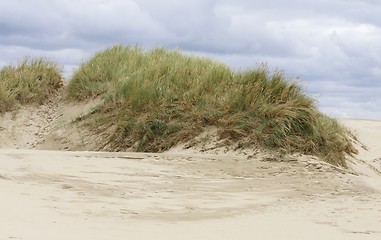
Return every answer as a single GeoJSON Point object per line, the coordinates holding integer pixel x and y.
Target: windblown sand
{"type": "Point", "coordinates": [180, 194]}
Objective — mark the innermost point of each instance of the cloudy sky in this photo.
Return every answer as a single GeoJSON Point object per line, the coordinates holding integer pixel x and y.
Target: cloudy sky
{"type": "Point", "coordinates": [333, 46]}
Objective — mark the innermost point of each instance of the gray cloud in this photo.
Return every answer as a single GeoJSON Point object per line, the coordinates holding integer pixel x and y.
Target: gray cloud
{"type": "Point", "coordinates": [333, 45]}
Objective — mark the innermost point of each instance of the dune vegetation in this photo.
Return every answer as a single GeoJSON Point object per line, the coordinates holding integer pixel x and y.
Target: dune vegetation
{"type": "Point", "coordinates": [156, 99]}
{"type": "Point", "coordinates": [32, 81]}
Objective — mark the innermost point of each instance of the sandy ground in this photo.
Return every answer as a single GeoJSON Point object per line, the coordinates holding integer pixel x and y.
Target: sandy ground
{"type": "Point", "coordinates": [180, 194]}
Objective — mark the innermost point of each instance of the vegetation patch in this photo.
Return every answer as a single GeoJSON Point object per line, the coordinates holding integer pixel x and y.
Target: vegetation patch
{"type": "Point", "coordinates": [30, 82]}
{"type": "Point", "coordinates": [158, 98]}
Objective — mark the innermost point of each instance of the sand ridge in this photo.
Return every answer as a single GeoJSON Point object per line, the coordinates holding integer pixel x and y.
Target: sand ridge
{"type": "Point", "coordinates": [48, 126]}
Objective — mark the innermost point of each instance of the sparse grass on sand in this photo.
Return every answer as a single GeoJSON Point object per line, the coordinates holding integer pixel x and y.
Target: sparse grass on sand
{"type": "Point", "coordinates": [158, 98]}
{"type": "Point", "coordinates": [30, 82]}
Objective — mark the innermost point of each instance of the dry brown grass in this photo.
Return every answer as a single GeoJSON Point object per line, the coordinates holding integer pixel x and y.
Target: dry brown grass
{"type": "Point", "coordinates": [156, 99]}
{"type": "Point", "coordinates": [30, 82]}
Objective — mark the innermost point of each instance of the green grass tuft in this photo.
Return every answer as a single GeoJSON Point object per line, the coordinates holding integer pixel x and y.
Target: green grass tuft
{"type": "Point", "coordinates": [158, 98]}
{"type": "Point", "coordinates": [30, 82]}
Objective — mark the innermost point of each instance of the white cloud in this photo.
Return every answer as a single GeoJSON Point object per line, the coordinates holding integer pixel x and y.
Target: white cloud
{"type": "Point", "coordinates": [333, 45]}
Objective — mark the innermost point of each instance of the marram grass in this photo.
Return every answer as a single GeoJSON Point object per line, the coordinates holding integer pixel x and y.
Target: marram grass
{"type": "Point", "coordinates": [158, 98]}
{"type": "Point", "coordinates": [32, 81]}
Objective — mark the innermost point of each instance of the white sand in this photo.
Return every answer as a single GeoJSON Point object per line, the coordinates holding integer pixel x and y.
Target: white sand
{"type": "Point", "coordinates": [180, 195]}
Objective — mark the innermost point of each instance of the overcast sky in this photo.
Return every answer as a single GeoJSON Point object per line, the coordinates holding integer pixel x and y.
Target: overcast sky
{"type": "Point", "coordinates": [334, 46]}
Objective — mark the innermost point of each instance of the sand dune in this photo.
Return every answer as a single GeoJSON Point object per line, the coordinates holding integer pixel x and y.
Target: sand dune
{"type": "Point", "coordinates": [181, 194]}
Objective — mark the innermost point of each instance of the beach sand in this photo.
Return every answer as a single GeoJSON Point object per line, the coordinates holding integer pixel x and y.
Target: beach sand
{"type": "Point", "coordinates": [181, 194]}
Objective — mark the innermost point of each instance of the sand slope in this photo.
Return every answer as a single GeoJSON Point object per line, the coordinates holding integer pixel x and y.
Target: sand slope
{"type": "Point", "coordinates": [179, 194]}
{"type": "Point", "coordinates": [88, 195]}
